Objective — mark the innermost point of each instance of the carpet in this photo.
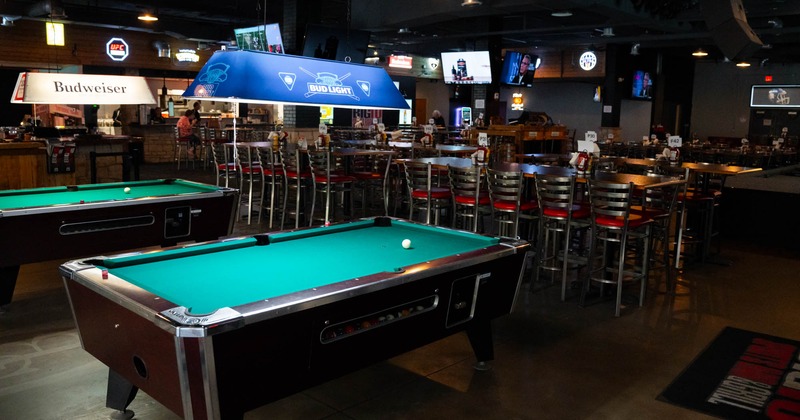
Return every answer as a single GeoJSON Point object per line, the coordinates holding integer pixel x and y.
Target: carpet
{"type": "Point", "coordinates": [741, 375]}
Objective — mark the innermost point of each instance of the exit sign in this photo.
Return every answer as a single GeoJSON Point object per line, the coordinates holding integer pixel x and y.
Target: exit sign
{"type": "Point", "coordinates": [117, 49]}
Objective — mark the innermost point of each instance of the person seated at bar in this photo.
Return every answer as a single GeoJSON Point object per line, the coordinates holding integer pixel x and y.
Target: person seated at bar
{"type": "Point", "coordinates": [155, 116]}
{"type": "Point", "coordinates": [186, 130]}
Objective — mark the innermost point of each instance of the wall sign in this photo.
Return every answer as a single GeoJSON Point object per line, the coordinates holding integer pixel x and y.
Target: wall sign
{"type": "Point", "coordinates": [186, 55]}
{"type": "Point", "coordinates": [117, 49]}
{"type": "Point", "coordinates": [588, 60]}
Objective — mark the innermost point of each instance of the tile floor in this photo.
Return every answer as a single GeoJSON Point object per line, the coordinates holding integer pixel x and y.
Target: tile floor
{"type": "Point", "coordinates": [554, 360]}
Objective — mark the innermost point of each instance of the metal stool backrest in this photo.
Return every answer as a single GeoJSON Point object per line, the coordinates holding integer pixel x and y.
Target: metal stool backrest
{"type": "Point", "coordinates": [611, 200]}
{"type": "Point", "coordinates": [418, 176]}
{"type": "Point", "coordinates": [555, 192]}
{"type": "Point", "coordinates": [505, 185]}
{"type": "Point", "coordinates": [466, 182]}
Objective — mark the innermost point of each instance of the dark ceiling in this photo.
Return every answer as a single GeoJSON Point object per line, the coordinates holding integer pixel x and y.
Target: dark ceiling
{"type": "Point", "coordinates": [427, 27]}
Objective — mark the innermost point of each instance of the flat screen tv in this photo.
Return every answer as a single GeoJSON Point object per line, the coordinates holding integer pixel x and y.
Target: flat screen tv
{"type": "Point", "coordinates": [336, 43]}
{"type": "Point", "coordinates": [518, 68]}
{"type": "Point", "coordinates": [260, 38]}
{"type": "Point", "coordinates": [467, 68]}
{"type": "Point", "coordinates": [642, 86]}
{"type": "Point", "coordinates": [775, 96]}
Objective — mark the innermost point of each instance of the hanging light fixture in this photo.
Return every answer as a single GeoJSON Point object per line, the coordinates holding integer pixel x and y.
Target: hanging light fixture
{"type": "Point", "coordinates": [471, 3]}
{"type": "Point", "coordinates": [635, 49]}
{"type": "Point", "coordinates": [148, 17]}
{"type": "Point", "coordinates": [700, 53]}
{"type": "Point", "coordinates": [54, 33]}
{"type": "Point", "coordinates": [743, 64]}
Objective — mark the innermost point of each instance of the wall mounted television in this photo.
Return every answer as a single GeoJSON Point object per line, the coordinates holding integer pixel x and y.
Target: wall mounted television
{"type": "Point", "coordinates": [775, 96]}
{"type": "Point", "coordinates": [260, 38]}
{"type": "Point", "coordinates": [467, 68]}
{"type": "Point", "coordinates": [519, 68]}
{"type": "Point", "coordinates": [642, 86]}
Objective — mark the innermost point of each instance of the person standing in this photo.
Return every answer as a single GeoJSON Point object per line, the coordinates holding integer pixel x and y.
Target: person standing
{"type": "Point", "coordinates": [196, 110]}
{"type": "Point", "coordinates": [438, 119]}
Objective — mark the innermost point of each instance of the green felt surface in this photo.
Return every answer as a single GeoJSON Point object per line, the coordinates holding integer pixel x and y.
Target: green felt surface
{"type": "Point", "coordinates": [55, 196]}
{"type": "Point", "coordinates": [225, 274]}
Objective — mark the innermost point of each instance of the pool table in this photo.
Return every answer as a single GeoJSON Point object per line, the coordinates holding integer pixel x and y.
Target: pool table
{"type": "Point", "coordinates": [67, 222]}
{"type": "Point", "coordinates": [213, 330]}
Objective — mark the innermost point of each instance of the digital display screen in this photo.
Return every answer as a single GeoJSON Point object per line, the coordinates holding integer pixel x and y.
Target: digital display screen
{"type": "Point", "coordinates": [467, 68]}
{"type": "Point", "coordinates": [518, 68]}
{"type": "Point", "coordinates": [642, 86]}
{"type": "Point", "coordinates": [260, 38]}
{"type": "Point", "coordinates": [775, 96]}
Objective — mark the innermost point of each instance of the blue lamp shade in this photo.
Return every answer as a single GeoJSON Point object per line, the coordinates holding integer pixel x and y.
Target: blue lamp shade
{"type": "Point", "coordinates": [261, 77]}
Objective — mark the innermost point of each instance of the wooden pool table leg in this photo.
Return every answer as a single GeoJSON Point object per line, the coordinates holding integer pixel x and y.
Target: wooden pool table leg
{"type": "Point", "coordinates": [8, 280]}
{"type": "Point", "coordinates": [480, 337]}
{"type": "Point", "coordinates": [119, 395]}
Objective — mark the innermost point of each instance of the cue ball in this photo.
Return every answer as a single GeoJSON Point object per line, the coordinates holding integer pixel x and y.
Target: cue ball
{"type": "Point", "coordinates": [127, 190]}
{"type": "Point", "coordinates": [406, 243]}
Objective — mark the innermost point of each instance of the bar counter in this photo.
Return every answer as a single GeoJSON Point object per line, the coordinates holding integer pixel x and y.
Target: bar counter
{"type": "Point", "coordinates": [24, 164]}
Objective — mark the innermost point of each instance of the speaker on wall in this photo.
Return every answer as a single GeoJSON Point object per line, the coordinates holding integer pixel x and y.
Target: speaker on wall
{"type": "Point", "coordinates": [727, 21]}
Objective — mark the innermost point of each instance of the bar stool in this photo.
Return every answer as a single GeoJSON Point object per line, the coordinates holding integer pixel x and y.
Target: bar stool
{"type": "Point", "coordinates": [296, 179]}
{"type": "Point", "coordinates": [560, 217]}
{"type": "Point", "coordinates": [273, 179]}
{"type": "Point", "coordinates": [470, 196]}
{"type": "Point", "coordinates": [372, 174]}
{"type": "Point", "coordinates": [248, 162]}
{"type": "Point", "coordinates": [223, 166]}
{"type": "Point", "coordinates": [618, 233]}
{"type": "Point", "coordinates": [329, 180]}
{"type": "Point", "coordinates": [510, 207]}
{"type": "Point", "coordinates": [422, 192]}
{"type": "Point", "coordinates": [662, 205]}
{"type": "Point", "coordinates": [181, 149]}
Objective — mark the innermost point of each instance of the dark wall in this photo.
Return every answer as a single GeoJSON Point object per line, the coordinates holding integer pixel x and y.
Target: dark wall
{"type": "Point", "coordinates": [11, 114]}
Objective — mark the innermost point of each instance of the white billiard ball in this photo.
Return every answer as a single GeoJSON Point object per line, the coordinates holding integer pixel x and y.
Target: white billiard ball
{"type": "Point", "coordinates": [127, 190]}
{"type": "Point", "coordinates": [406, 243]}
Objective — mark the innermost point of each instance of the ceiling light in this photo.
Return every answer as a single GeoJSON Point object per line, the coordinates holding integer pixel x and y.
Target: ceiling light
{"type": "Point", "coordinates": [471, 3]}
{"type": "Point", "coordinates": [700, 53]}
{"type": "Point", "coordinates": [147, 17]}
{"type": "Point", "coordinates": [635, 49]}
{"type": "Point", "coordinates": [561, 13]}
{"type": "Point", "coordinates": [404, 31]}
{"type": "Point", "coordinates": [608, 32]}
{"type": "Point", "coordinates": [743, 64]}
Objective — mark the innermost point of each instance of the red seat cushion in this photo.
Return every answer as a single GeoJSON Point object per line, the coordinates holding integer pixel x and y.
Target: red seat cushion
{"type": "Point", "coordinates": [436, 193]}
{"type": "Point", "coordinates": [295, 174]}
{"type": "Point", "coordinates": [334, 178]}
{"type": "Point", "coordinates": [466, 199]}
{"type": "Point", "coordinates": [578, 212]}
{"type": "Point", "coordinates": [634, 221]}
{"type": "Point", "coordinates": [512, 205]}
